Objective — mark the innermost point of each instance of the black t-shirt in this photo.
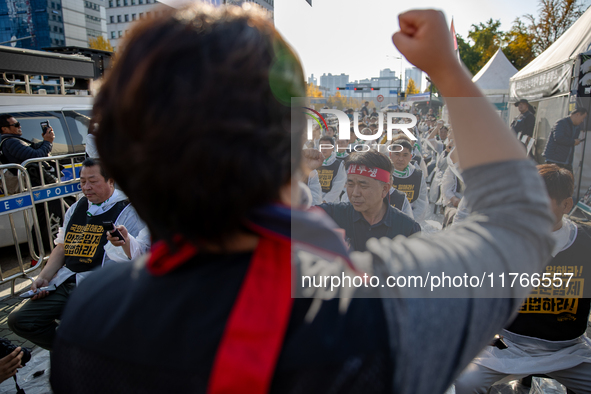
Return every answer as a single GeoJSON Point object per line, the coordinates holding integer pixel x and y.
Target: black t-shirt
{"type": "Point", "coordinates": [125, 331]}
{"type": "Point", "coordinates": [358, 230]}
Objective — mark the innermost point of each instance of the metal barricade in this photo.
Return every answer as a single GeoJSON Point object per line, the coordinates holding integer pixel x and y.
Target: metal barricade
{"type": "Point", "coordinates": [34, 191]}
{"type": "Point", "coordinates": [66, 170]}
{"type": "Point", "coordinates": [16, 198]}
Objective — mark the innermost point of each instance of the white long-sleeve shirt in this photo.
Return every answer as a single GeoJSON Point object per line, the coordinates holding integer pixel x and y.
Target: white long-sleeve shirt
{"type": "Point", "coordinates": [449, 186]}
{"type": "Point", "coordinates": [139, 236]}
{"type": "Point", "coordinates": [315, 188]}
{"type": "Point", "coordinates": [421, 204]}
{"type": "Point", "coordinates": [338, 182]}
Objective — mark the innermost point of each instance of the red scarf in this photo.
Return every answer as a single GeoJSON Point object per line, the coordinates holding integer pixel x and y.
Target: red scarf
{"type": "Point", "coordinates": [254, 333]}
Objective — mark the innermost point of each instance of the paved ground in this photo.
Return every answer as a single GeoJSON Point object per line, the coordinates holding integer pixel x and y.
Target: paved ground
{"type": "Point", "coordinates": [27, 376]}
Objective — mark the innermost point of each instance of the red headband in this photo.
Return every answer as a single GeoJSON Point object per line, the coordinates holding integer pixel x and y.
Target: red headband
{"type": "Point", "coordinates": [374, 173]}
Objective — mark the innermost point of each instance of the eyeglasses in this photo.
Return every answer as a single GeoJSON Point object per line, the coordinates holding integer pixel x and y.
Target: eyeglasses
{"type": "Point", "coordinates": [17, 124]}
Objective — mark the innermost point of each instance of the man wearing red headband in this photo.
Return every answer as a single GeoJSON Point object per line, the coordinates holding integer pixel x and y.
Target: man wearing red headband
{"type": "Point", "coordinates": [368, 213]}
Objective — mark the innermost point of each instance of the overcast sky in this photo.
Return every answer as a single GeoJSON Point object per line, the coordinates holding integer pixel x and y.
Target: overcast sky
{"type": "Point", "coordinates": [354, 36]}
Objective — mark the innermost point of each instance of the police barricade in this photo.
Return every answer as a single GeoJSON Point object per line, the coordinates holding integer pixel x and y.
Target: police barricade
{"type": "Point", "coordinates": [55, 184]}
{"type": "Point", "coordinates": [18, 217]}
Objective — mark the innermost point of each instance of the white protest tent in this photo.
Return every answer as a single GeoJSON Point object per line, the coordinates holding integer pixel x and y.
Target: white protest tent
{"type": "Point", "coordinates": [493, 80]}
{"type": "Point", "coordinates": [552, 84]}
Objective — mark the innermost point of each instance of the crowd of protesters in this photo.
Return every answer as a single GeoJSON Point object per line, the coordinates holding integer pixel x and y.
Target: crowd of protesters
{"type": "Point", "coordinates": [221, 258]}
{"type": "Point", "coordinates": [419, 171]}
{"type": "Point", "coordinates": [548, 337]}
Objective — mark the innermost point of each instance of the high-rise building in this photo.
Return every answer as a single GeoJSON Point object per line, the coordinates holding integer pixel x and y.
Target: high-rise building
{"type": "Point", "coordinates": [51, 23]}
{"type": "Point", "coordinates": [122, 13]}
{"type": "Point", "coordinates": [312, 79]}
{"type": "Point", "coordinates": [387, 73]}
{"type": "Point", "coordinates": [96, 21]}
{"type": "Point", "coordinates": [332, 82]}
{"type": "Point", "coordinates": [416, 75]}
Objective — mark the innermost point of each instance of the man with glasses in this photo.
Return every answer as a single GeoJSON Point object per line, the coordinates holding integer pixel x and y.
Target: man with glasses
{"type": "Point", "coordinates": [14, 148]}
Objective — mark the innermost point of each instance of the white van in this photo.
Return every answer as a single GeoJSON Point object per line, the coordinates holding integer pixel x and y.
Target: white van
{"type": "Point", "coordinates": [69, 120]}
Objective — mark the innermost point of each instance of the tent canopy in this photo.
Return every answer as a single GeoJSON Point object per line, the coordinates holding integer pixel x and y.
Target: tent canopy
{"type": "Point", "coordinates": [549, 74]}
{"type": "Point", "coordinates": [576, 40]}
{"type": "Point", "coordinates": [494, 77]}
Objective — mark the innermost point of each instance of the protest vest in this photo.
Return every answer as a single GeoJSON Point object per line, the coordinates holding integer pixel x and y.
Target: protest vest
{"type": "Point", "coordinates": [327, 174]}
{"type": "Point", "coordinates": [559, 319]}
{"type": "Point", "coordinates": [86, 237]}
{"type": "Point", "coordinates": [411, 185]}
{"type": "Point", "coordinates": [396, 198]}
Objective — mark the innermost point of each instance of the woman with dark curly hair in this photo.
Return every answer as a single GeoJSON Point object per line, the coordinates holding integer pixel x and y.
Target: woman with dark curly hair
{"type": "Point", "coordinates": [196, 127]}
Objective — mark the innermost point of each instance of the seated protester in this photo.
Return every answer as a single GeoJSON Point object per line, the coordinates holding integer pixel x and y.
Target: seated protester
{"type": "Point", "coordinates": [417, 149]}
{"type": "Point", "coordinates": [436, 141]}
{"type": "Point", "coordinates": [438, 172]}
{"type": "Point", "coordinates": [417, 153]}
{"type": "Point", "coordinates": [80, 249]}
{"type": "Point", "coordinates": [548, 334]}
{"type": "Point", "coordinates": [423, 126]}
{"type": "Point", "coordinates": [364, 130]}
{"type": "Point", "coordinates": [343, 150]}
{"type": "Point", "coordinates": [452, 191]}
{"type": "Point", "coordinates": [434, 147]}
{"type": "Point", "coordinates": [315, 188]}
{"type": "Point", "coordinates": [409, 179]}
{"type": "Point", "coordinates": [368, 214]}
{"type": "Point", "coordinates": [313, 143]}
{"type": "Point", "coordinates": [331, 132]}
{"type": "Point", "coordinates": [373, 127]}
{"type": "Point", "coordinates": [395, 198]}
{"type": "Point", "coordinates": [331, 174]}
{"type": "Point", "coordinates": [398, 200]}
{"type": "Point", "coordinates": [419, 161]}
{"type": "Point", "coordinates": [352, 142]}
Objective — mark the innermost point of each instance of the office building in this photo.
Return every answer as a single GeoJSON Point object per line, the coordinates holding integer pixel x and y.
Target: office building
{"type": "Point", "coordinates": [416, 75]}
{"type": "Point", "coordinates": [38, 24]}
{"type": "Point", "coordinates": [332, 82]}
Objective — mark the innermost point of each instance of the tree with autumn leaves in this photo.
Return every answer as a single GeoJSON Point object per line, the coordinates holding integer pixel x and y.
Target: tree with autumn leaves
{"type": "Point", "coordinates": [524, 41]}
{"type": "Point", "coordinates": [337, 101]}
{"type": "Point", "coordinates": [411, 87]}
{"type": "Point", "coordinates": [101, 43]}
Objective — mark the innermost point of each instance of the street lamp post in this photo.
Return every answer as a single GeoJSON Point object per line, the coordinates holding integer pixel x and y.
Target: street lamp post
{"type": "Point", "coordinates": [400, 81]}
